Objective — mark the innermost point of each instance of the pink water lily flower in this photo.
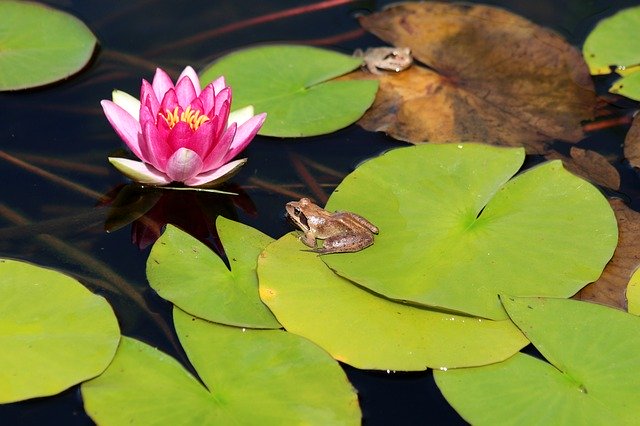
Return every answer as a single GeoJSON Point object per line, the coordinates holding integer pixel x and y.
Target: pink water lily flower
{"type": "Point", "coordinates": [179, 132]}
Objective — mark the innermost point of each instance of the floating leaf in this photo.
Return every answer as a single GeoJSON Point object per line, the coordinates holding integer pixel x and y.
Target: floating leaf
{"type": "Point", "coordinates": [632, 143]}
{"type": "Point", "coordinates": [610, 287]}
{"type": "Point", "coordinates": [493, 76]}
{"type": "Point", "coordinates": [594, 353]}
{"type": "Point", "coordinates": [366, 331]}
{"type": "Point", "coordinates": [187, 273]}
{"type": "Point", "coordinates": [54, 333]}
{"type": "Point", "coordinates": [613, 42]}
{"type": "Point", "coordinates": [40, 45]}
{"type": "Point", "coordinates": [291, 84]}
{"type": "Point", "coordinates": [459, 234]}
{"type": "Point", "coordinates": [633, 293]}
{"type": "Point", "coordinates": [251, 377]}
{"type": "Point", "coordinates": [589, 165]}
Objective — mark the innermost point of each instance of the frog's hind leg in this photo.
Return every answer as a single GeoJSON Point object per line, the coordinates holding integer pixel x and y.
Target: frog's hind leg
{"type": "Point", "coordinates": [361, 220]}
{"type": "Point", "coordinates": [345, 243]}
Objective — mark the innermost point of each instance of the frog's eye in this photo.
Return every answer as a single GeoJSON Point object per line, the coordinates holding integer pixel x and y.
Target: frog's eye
{"type": "Point", "coordinates": [297, 211]}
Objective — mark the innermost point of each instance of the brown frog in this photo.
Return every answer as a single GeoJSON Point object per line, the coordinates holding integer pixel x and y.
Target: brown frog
{"type": "Point", "coordinates": [385, 58]}
{"type": "Point", "coordinates": [342, 232]}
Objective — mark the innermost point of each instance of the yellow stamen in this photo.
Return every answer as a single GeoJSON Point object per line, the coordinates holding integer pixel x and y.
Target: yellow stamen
{"type": "Point", "coordinates": [193, 118]}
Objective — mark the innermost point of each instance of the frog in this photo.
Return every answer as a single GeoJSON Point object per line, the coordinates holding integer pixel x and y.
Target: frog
{"type": "Point", "coordinates": [385, 58]}
{"type": "Point", "coordinates": [342, 231]}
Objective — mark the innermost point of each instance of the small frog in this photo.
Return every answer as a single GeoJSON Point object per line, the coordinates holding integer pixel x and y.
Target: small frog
{"type": "Point", "coordinates": [342, 232]}
{"type": "Point", "coordinates": [385, 58]}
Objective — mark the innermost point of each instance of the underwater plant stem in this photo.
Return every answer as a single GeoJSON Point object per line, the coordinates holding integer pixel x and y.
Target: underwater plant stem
{"type": "Point", "coordinates": [275, 188]}
{"type": "Point", "coordinates": [50, 176]}
{"type": "Point", "coordinates": [308, 178]}
{"type": "Point", "coordinates": [607, 123]}
{"type": "Point", "coordinates": [65, 164]}
{"type": "Point", "coordinates": [235, 26]}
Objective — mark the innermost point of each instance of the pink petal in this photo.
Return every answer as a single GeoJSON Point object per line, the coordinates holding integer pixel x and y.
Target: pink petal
{"type": "Point", "coordinates": [224, 118]}
{"type": "Point", "coordinates": [221, 98]}
{"type": "Point", "coordinates": [148, 97]}
{"type": "Point", "coordinates": [127, 127]}
{"type": "Point", "coordinates": [218, 84]}
{"type": "Point", "coordinates": [191, 74]}
{"type": "Point", "coordinates": [179, 136]}
{"type": "Point", "coordinates": [139, 172]}
{"type": "Point", "coordinates": [158, 150]}
{"type": "Point", "coordinates": [218, 175]}
{"type": "Point", "coordinates": [202, 140]}
{"type": "Point", "coordinates": [183, 165]}
{"type": "Point", "coordinates": [185, 92]}
{"type": "Point", "coordinates": [219, 151]}
{"type": "Point", "coordinates": [207, 98]}
{"type": "Point", "coordinates": [245, 135]}
{"type": "Point", "coordinates": [161, 83]}
{"type": "Point", "coordinates": [169, 102]}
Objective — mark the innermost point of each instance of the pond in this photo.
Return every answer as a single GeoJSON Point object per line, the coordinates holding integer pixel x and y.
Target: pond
{"type": "Point", "coordinates": [56, 208]}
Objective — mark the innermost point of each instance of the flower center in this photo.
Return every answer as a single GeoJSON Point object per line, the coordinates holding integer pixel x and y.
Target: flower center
{"type": "Point", "coordinates": [192, 117]}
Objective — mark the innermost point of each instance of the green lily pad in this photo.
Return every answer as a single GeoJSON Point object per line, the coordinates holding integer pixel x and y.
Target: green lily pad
{"type": "Point", "coordinates": [633, 293]}
{"type": "Point", "coordinates": [594, 353]}
{"type": "Point", "coordinates": [628, 86]}
{"type": "Point", "coordinates": [251, 377]}
{"type": "Point", "coordinates": [187, 273]}
{"type": "Point", "coordinates": [291, 84]}
{"type": "Point", "coordinates": [454, 233]}
{"type": "Point", "coordinates": [40, 45]}
{"type": "Point", "coordinates": [54, 333]}
{"type": "Point", "coordinates": [613, 42]}
{"type": "Point", "coordinates": [367, 331]}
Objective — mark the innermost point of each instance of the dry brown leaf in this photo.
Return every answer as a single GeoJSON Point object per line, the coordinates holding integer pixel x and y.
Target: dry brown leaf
{"type": "Point", "coordinates": [610, 288]}
{"type": "Point", "coordinates": [590, 165]}
{"type": "Point", "coordinates": [632, 143]}
{"type": "Point", "coordinates": [494, 77]}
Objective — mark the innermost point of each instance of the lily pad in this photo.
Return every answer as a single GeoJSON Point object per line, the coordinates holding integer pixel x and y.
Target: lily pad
{"type": "Point", "coordinates": [589, 165]}
{"type": "Point", "coordinates": [593, 353]}
{"type": "Point", "coordinates": [54, 333]}
{"type": "Point", "coordinates": [633, 293]}
{"type": "Point", "coordinates": [186, 272]}
{"type": "Point", "coordinates": [609, 288]}
{"type": "Point", "coordinates": [251, 377]}
{"type": "Point", "coordinates": [40, 45]}
{"type": "Point", "coordinates": [367, 331]}
{"type": "Point", "coordinates": [613, 42]}
{"type": "Point", "coordinates": [292, 85]}
{"type": "Point", "coordinates": [632, 143]}
{"type": "Point", "coordinates": [491, 76]}
{"type": "Point", "coordinates": [454, 233]}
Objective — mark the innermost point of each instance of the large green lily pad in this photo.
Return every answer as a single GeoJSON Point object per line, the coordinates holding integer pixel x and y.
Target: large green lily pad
{"type": "Point", "coordinates": [186, 272]}
{"type": "Point", "coordinates": [594, 355]}
{"type": "Point", "coordinates": [454, 233]}
{"type": "Point", "coordinates": [291, 84]}
{"type": "Point", "coordinates": [54, 333]}
{"type": "Point", "coordinates": [251, 377]}
{"type": "Point", "coordinates": [367, 331]}
{"type": "Point", "coordinates": [40, 45]}
{"type": "Point", "coordinates": [613, 43]}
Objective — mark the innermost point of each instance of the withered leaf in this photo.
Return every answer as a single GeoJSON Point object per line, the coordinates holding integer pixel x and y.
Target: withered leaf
{"type": "Point", "coordinates": [610, 288]}
{"type": "Point", "coordinates": [492, 76]}
{"type": "Point", "coordinates": [632, 143]}
{"type": "Point", "coordinates": [590, 165]}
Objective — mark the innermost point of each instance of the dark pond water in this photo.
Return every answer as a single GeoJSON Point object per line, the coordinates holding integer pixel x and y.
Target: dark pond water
{"type": "Point", "coordinates": [59, 222]}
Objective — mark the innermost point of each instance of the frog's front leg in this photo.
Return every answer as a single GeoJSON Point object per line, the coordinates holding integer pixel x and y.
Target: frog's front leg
{"type": "Point", "coordinates": [345, 243]}
{"type": "Point", "coordinates": [309, 239]}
